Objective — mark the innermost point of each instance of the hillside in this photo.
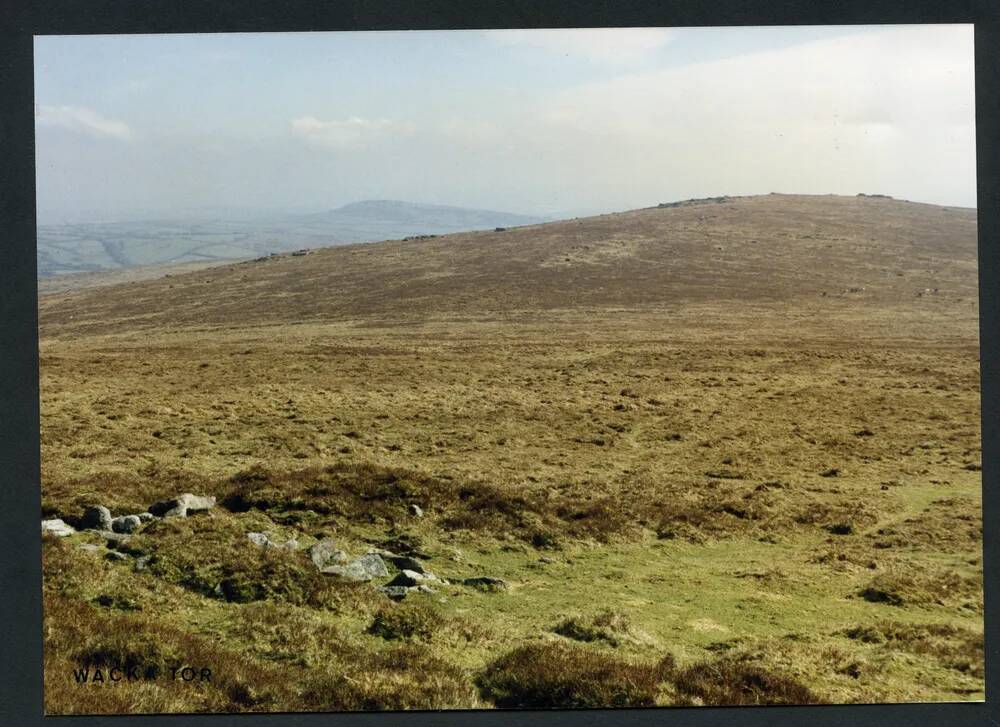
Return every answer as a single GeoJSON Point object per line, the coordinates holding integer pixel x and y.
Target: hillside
{"type": "Point", "coordinates": [767, 249]}
{"type": "Point", "coordinates": [714, 452]}
{"type": "Point", "coordinates": [79, 248]}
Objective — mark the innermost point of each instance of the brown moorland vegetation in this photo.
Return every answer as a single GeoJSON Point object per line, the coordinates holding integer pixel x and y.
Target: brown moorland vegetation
{"type": "Point", "coordinates": [723, 452]}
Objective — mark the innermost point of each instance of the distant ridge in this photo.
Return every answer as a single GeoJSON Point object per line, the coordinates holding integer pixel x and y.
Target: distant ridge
{"type": "Point", "coordinates": [396, 211]}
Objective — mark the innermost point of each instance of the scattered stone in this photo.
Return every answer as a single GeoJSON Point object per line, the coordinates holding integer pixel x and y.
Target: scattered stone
{"type": "Point", "coordinates": [97, 517]}
{"type": "Point", "coordinates": [373, 565]}
{"type": "Point", "coordinates": [264, 541]}
{"type": "Point", "coordinates": [364, 568]}
{"type": "Point", "coordinates": [486, 583]}
{"type": "Point", "coordinates": [182, 506]}
{"type": "Point", "coordinates": [326, 553]}
{"type": "Point", "coordinates": [416, 510]}
{"type": "Point", "coordinates": [424, 588]}
{"type": "Point", "coordinates": [114, 555]}
{"type": "Point", "coordinates": [57, 528]}
{"type": "Point", "coordinates": [145, 517]}
{"type": "Point", "coordinates": [260, 539]}
{"type": "Point", "coordinates": [89, 547]}
{"type": "Point", "coordinates": [142, 562]}
{"type": "Point", "coordinates": [126, 524]}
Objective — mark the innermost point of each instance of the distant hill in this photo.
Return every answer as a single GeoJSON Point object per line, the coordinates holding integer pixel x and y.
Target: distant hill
{"type": "Point", "coordinates": [96, 247]}
{"type": "Point", "coordinates": [870, 251]}
{"type": "Point", "coordinates": [407, 215]}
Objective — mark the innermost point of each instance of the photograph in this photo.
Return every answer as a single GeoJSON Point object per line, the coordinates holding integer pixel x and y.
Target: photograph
{"type": "Point", "coordinates": [509, 369]}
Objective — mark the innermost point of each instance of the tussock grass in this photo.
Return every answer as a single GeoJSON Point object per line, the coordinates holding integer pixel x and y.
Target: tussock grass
{"type": "Point", "coordinates": [954, 647]}
{"type": "Point", "coordinates": [732, 682]}
{"type": "Point", "coordinates": [404, 678]}
{"type": "Point", "coordinates": [553, 676]}
{"type": "Point", "coordinates": [80, 636]}
{"type": "Point", "coordinates": [952, 523]}
{"type": "Point", "coordinates": [406, 622]}
{"type": "Point", "coordinates": [940, 587]}
{"type": "Point", "coordinates": [611, 627]}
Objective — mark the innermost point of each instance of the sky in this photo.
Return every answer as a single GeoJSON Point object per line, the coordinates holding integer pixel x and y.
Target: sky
{"type": "Point", "coordinates": [558, 123]}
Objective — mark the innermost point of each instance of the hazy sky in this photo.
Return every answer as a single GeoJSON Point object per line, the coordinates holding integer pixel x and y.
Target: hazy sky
{"type": "Point", "coordinates": [558, 123]}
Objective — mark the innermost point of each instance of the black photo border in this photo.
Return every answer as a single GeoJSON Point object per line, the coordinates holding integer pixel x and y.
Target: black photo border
{"type": "Point", "coordinates": [20, 543]}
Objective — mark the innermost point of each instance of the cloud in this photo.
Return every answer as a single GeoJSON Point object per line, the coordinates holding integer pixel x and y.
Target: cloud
{"type": "Point", "coordinates": [876, 111]}
{"type": "Point", "coordinates": [347, 133]}
{"type": "Point", "coordinates": [598, 45]}
{"type": "Point", "coordinates": [79, 118]}
{"type": "Point", "coordinates": [471, 130]}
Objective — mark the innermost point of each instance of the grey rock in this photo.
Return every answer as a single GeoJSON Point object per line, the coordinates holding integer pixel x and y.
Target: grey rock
{"type": "Point", "coordinates": [416, 510]}
{"type": "Point", "coordinates": [198, 504]}
{"type": "Point", "coordinates": [424, 588]}
{"type": "Point", "coordinates": [90, 547]}
{"type": "Point", "coordinates": [114, 555]}
{"type": "Point", "coordinates": [57, 528]}
{"type": "Point", "coordinates": [396, 593]}
{"type": "Point", "coordinates": [326, 553]}
{"type": "Point", "coordinates": [142, 562]}
{"type": "Point", "coordinates": [146, 516]}
{"type": "Point", "coordinates": [364, 568]}
{"type": "Point", "coordinates": [126, 524]}
{"type": "Point", "coordinates": [264, 541]}
{"type": "Point", "coordinates": [372, 564]}
{"type": "Point", "coordinates": [97, 517]}
{"type": "Point", "coordinates": [260, 539]}
{"type": "Point", "coordinates": [182, 505]}
{"type": "Point", "coordinates": [349, 572]}
{"type": "Point", "coordinates": [486, 583]}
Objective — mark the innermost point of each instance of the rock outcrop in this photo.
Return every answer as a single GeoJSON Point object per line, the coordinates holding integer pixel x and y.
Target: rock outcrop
{"type": "Point", "coordinates": [325, 553]}
{"type": "Point", "coordinates": [361, 569]}
{"type": "Point", "coordinates": [57, 528]}
{"type": "Point", "coordinates": [182, 505]}
{"type": "Point", "coordinates": [96, 517]}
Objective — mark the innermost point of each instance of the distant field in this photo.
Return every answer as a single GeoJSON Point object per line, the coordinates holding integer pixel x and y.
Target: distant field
{"type": "Point", "coordinates": [98, 247]}
{"type": "Point", "coordinates": [720, 453]}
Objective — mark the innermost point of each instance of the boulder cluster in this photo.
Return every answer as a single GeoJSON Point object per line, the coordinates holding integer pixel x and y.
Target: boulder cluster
{"type": "Point", "coordinates": [413, 575]}
{"type": "Point", "coordinates": [99, 518]}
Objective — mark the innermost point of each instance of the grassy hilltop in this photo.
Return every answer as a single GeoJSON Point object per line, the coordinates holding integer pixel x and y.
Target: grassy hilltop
{"type": "Point", "coordinates": [722, 451]}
